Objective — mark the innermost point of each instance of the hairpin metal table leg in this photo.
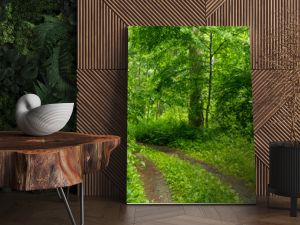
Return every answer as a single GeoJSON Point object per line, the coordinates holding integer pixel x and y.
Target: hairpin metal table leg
{"type": "Point", "coordinates": [67, 193]}
{"type": "Point", "coordinates": [62, 195]}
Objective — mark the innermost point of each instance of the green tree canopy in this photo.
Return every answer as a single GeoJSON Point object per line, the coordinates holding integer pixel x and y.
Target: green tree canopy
{"type": "Point", "coordinates": [200, 75]}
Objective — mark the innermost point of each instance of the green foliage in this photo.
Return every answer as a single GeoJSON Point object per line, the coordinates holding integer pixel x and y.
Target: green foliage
{"type": "Point", "coordinates": [190, 88]}
{"type": "Point", "coordinates": [7, 119]}
{"type": "Point", "coordinates": [163, 132]}
{"type": "Point", "coordinates": [42, 36]}
{"type": "Point", "coordinates": [152, 73]}
{"type": "Point", "coordinates": [189, 183]}
{"type": "Point", "coordinates": [135, 187]}
{"type": "Point", "coordinates": [234, 104]}
{"type": "Point", "coordinates": [17, 73]}
{"type": "Point", "coordinates": [13, 30]}
{"type": "Point", "coordinates": [18, 19]}
{"type": "Point", "coordinates": [150, 37]}
{"type": "Point", "coordinates": [54, 42]}
{"type": "Point", "coordinates": [231, 154]}
{"type": "Point", "coordinates": [56, 61]}
{"type": "Point", "coordinates": [6, 25]}
{"type": "Point", "coordinates": [170, 67]}
{"type": "Point", "coordinates": [33, 10]}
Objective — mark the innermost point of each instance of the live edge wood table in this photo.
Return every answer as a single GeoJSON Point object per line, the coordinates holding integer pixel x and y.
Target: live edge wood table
{"type": "Point", "coordinates": [52, 162]}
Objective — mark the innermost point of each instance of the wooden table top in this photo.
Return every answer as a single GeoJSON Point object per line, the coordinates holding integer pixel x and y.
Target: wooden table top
{"type": "Point", "coordinates": [17, 141]}
{"type": "Point", "coordinates": [57, 160]}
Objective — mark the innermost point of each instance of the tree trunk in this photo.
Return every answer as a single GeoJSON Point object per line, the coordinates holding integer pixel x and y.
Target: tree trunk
{"type": "Point", "coordinates": [195, 116]}
{"type": "Point", "coordinates": [195, 111]}
{"type": "Point", "coordinates": [159, 110]}
{"type": "Point", "coordinates": [209, 79]}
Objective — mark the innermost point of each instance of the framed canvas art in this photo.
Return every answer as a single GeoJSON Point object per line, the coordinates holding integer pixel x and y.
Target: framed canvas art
{"type": "Point", "coordinates": [190, 128]}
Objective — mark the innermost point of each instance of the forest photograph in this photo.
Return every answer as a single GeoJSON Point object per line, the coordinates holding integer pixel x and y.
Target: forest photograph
{"type": "Point", "coordinates": [190, 127]}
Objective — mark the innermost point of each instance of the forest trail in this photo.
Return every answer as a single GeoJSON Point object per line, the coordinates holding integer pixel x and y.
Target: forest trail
{"type": "Point", "coordinates": [156, 189]}
{"type": "Point", "coordinates": [238, 185]}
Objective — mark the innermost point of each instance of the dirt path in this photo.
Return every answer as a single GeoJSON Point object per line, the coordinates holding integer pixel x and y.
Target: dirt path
{"type": "Point", "coordinates": [238, 185]}
{"type": "Point", "coordinates": [156, 189]}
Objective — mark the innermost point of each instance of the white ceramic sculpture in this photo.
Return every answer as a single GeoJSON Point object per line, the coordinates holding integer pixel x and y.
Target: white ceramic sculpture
{"type": "Point", "coordinates": [39, 120]}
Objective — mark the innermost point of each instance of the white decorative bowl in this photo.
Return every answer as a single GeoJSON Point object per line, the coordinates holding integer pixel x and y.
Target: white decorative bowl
{"type": "Point", "coordinates": [40, 120]}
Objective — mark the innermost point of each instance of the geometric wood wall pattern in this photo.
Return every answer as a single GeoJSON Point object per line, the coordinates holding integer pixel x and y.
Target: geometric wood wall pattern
{"type": "Point", "coordinates": [102, 70]}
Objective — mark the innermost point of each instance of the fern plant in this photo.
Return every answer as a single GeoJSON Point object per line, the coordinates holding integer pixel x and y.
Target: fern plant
{"type": "Point", "coordinates": [55, 45]}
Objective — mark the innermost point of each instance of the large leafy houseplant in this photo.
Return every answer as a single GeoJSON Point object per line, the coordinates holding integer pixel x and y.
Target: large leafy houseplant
{"type": "Point", "coordinates": [49, 46]}
{"type": "Point", "coordinates": [55, 59]}
{"type": "Point", "coordinates": [54, 45]}
{"type": "Point", "coordinates": [17, 73]}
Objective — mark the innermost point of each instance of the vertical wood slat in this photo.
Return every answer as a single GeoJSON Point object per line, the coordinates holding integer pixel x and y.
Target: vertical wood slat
{"type": "Point", "coordinates": [102, 37]}
{"type": "Point", "coordinates": [102, 46]}
{"type": "Point", "coordinates": [97, 184]}
{"type": "Point", "coordinates": [262, 177]}
{"type": "Point", "coordinates": [267, 20]}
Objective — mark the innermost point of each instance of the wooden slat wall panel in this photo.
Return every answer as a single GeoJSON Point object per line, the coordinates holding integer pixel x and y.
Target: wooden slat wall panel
{"type": "Point", "coordinates": [102, 37]}
{"type": "Point", "coordinates": [278, 128]}
{"type": "Point", "coordinates": [102, 109]}
{"type": "Point", "coordinates": [212, 5]}
{"type": "Point", "coordinates": [97, 113]}
{"type": "Point", "coordinates": [262, 177]}
{"type": "Point", "coordinates": [102, 68]}
{"type": "Point", "coordinates": [99, 184]}
{"type": "Point", "coordinates": [230, 12]}
{"type": "Point", "coordinates": [266, 20]}
{"type": "Point", "coordinates": [160, 13]}
{"type": "Point", "coordinates": [269, 88]}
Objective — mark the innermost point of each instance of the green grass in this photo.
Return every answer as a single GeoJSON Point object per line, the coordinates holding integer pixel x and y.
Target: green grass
{"type": "Point", "coordinates": [228, 151]}
{"type": "Point", "coordinates": [189, 183]}
{"type": "Point", "coordinates": [135, 186]}
{"type": "Point", "coordinates": [231, 155]}
{"type": "Point", "coordinates": [163, 131]}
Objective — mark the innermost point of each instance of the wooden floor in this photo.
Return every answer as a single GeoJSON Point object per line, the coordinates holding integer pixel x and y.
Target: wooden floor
{"type": "Point", "coordinates": [46, 209]}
